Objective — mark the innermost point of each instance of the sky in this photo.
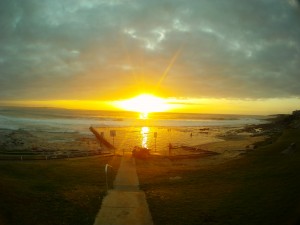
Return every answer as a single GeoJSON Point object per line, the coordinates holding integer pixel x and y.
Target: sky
{"type": "Point", "coordinates": [213, 56]}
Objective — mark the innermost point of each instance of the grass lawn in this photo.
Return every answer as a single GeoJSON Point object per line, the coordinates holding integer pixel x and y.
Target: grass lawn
{"type": "Point", "coordinates": [54, 191]}
{"type": "Point", "coordinates": [262, 187]}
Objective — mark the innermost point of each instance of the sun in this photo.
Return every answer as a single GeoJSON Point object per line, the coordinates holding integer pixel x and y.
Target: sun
{"type": "Point", "coordinates": [144, 104]}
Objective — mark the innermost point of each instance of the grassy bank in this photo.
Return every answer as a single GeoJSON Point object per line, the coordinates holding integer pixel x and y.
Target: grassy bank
{"type": "Point", "coordinates": [52, 192]}
{"type": "Point", "coordinates": [261, 187]}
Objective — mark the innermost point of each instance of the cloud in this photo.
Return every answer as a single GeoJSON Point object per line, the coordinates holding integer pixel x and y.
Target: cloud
{"type": "Point", "coordinates": [98, 49]}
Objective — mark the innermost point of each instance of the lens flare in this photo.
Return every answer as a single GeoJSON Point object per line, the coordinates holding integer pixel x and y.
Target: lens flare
{"type": "Point", "coordinates": [144, 104]}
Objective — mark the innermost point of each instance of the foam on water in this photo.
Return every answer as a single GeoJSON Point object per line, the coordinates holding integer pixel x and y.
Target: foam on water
{"type": "Point", "coordinates": [154, 133]}
{"type": "Point", "coordinates": [78, 120]}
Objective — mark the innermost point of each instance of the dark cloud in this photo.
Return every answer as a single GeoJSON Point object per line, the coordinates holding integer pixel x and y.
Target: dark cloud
{"type": "Point", "coordinates": [76, 49]}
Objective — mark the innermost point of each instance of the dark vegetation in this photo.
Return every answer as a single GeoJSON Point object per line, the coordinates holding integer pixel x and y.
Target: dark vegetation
{"type": "Point", "coordinates": [262, 187]}
{"type": "Point", "coordinates": [53, 192]}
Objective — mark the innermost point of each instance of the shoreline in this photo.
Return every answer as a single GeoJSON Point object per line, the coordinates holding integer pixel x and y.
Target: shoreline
{"type": "Point", "coordinates": [206, 141]}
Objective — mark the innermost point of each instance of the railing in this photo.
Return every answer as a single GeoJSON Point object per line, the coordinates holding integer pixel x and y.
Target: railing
{"type": "Point", "coordinates": [106, 178]}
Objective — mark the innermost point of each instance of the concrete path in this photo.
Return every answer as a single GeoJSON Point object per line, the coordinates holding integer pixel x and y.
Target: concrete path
{"type": "Point", "coordinates": [125, 204]}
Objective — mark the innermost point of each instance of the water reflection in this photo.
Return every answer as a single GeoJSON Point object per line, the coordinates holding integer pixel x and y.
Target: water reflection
{"type": "Point", "coordinates": [144, 133]}
{"type": "Point", "coordinates": [144, 116]}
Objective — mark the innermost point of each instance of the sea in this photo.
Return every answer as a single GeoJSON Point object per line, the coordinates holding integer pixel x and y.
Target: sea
{"type": "Point", "coordinates": [126, 129]}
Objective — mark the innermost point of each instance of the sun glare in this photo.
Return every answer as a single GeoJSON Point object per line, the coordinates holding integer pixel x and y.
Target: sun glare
{"type": "Point", "coordinates": [144, 104]}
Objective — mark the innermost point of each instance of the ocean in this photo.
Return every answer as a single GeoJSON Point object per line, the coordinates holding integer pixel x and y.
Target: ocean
{"type": "Point", "coordinates": [155, 133]}
{"type": "Point", "coordinates": [54, 119]}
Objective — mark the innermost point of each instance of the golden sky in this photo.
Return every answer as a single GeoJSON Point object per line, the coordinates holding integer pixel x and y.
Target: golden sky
{"type": "Point", "coordinates": [217, 106]}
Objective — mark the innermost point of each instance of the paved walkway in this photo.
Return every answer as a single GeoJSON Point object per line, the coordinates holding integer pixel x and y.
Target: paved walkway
{"type": "Point", "coordinates": [126, 204]}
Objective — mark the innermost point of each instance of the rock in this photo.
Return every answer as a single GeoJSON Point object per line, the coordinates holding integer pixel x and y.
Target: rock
{"type": "Point", "coordinates": [290, 149]}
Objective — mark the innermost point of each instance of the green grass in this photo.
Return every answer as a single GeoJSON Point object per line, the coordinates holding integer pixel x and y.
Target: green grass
{"type": "Point", "coordinates": [263, 187]}
{"type": "Point", "coordinates": [53, 192]}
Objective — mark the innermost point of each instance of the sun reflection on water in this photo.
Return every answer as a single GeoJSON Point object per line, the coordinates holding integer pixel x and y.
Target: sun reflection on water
{"type": "Point", "coordinates": [144, 133]}
{"type": "Point", "coordinates": [143, 116]}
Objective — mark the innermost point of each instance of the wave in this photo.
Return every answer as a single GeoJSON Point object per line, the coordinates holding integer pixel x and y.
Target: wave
{"type": "Point", "coordinates": [80, 120]}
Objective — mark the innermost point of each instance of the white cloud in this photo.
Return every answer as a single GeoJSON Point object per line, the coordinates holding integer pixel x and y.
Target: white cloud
{"type": "Point", "coordinates": [180, 26]}
{"type": "Point", "coordinates": [293, 3]}
{"type": "Point", "coordinates": [160, 33]}
{"type": "Point", "coordinates": [131, 32]}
